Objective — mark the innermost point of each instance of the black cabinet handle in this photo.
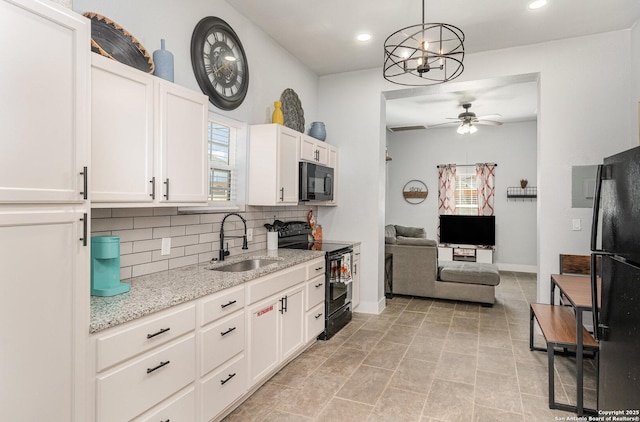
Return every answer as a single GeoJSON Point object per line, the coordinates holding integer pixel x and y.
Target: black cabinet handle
{"type": "Point", "coordinates": [160, 365]}
{"type": "Point", "coordinates": [223, 382]}
{"type": "Point", "coordinates": [153, 187]}
{"type": "Point", "coordinates": [224, 333]}
{"type": "Point", "coordinates": [319, 315]}
{"type": "Point", "coordinates": [319, 284]}
{"type": "Point", "coordinates": [224, 305]}
{"type": "Point", "coordinates": [84, 229]}
{"type": "Point", "coordinates": [285, 302]}
{"type": "Point", "coordinates": [319, 268]}
{"type": "Point", "coordinates": [166, 195]}
{"type": "Point", "coordinates": [157, 333]}
{"type": "Point", "coordinates": [281, 300]}
{"type": "Point", "coordinates": [168, 420]}
{"type": "Point", "coordinates": [85, 181]}
{"type": "Point", "coordinates": [281, 194]}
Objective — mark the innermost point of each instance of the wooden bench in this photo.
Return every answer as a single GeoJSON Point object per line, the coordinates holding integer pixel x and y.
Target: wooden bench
{"type": "Point", "coordinates": [558, 326]}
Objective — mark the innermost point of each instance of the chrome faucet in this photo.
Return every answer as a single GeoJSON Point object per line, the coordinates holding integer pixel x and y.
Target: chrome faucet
{"type": "Point", "coordinates": [224, 252]}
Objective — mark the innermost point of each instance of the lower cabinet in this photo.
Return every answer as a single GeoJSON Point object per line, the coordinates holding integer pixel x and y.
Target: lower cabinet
{"type": "Point", "coordinates": [197, 361]}
{"type": "Point", "coordinates": [276, 331]}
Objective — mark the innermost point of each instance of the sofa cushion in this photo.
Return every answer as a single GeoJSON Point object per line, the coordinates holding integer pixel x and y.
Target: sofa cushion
{"type": "Point", "coordinates": [390, 234]}
{"type": "Point", "coordinates": [417, 232]}
{"type": "Point", "coordinates": [415, 241]}
{"type": "Point", "coordinates": [469, 272]}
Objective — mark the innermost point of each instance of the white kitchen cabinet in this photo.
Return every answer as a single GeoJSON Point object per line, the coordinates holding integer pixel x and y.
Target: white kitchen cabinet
{"type": "Point", "coordinates": [44, 150]}
{"type": "Point", "coordinates": [276, 331]}
{"type": "Point", "coordinates": [141, 365]}
{"type": "Point", "coordinates": [149, 144]}
{"type": "Point", "coordinates": [43, 315]}
{"type": "Point", "coordinates": [44, 119]}
{"type": "Point", "coordinates": [273, 165]}
{"type": "Point", "coordinates": [355, 277]}
{"type": "Point", "coordinates": [314, 150]}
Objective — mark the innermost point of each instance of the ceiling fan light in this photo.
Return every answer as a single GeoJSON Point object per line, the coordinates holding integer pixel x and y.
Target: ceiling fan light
{"type": "Point", "coordinates": [472, 128]}
{"type": "Point", "coordinates": [537, 4]}
{"type": "Point", "coordinates": [461, 129]}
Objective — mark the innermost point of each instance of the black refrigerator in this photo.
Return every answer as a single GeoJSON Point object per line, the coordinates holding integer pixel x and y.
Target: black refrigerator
{"type": "Point", "coordinates": [617, 301]}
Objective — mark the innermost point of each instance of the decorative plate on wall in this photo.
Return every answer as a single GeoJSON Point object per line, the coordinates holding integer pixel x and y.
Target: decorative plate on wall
{"type": "Point", "coordinates": [113, 41]}
{"type": "Point", "coordinates": [415, 191]}
{"type": "Point", "coordinates": [292, 110]}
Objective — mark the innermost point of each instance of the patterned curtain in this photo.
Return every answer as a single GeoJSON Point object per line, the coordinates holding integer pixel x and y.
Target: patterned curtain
{"type": "Point", "coordinates": [447, 189]}
{"type": "Point", "coordinates": [486, 180]}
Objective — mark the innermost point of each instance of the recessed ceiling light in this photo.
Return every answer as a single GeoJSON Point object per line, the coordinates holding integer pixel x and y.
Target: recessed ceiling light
{"type": "Point", "coordinates": [363, 37]}
{"type": "Point", "coordinates": [537, 4]}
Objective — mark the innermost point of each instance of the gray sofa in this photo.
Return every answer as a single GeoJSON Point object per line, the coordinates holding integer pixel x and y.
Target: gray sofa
{"type": "Point", "coordinates": [417, 272]}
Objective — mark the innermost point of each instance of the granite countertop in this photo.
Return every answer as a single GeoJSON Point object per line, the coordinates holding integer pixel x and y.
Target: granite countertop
{"type": "Point", "coordinates": [154, 292]}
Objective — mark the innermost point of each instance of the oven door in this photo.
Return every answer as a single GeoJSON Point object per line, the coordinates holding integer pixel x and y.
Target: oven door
{"type": "Point", "coordinates": [316, 182]}
{"type": "Point", "coordinates": [338, 279]}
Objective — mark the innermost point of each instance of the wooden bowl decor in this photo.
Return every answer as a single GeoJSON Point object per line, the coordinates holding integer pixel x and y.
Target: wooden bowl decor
{"type": "Point", "coordinates": [113, 41]}
{"type": "Point", "coordinates": [415, 191]}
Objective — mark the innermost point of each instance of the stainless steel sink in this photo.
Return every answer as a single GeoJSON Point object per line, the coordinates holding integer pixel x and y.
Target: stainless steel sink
{"type": "Point", "coordinates": [246, 265]}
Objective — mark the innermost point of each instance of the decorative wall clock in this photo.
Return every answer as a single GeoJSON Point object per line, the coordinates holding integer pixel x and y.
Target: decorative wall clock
{"type": "Point", "coordinates": [219, 63]}
{"type": "Point", "coordinates": [415, 191]}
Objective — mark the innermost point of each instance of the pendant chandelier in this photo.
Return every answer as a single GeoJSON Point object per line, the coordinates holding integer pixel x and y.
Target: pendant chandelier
{"type": "Point", "coordinates": [424, 54]}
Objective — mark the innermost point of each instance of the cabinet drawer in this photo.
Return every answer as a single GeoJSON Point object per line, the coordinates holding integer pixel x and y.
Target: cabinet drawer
{"type": "Point", "coordinates": [315, 292]}
{"type": "Point", "coordinates": [272, 284]}
{"type": "Point", "coordinates": [143, 336]}
{"type": "Point", "coordinates": [223, 387]}
{"type": "Point", "coordinates": [221, 341]}
{"type": "Point", "coordinates": [142, 383]}
{"type": "Point", "coordinates": [182, 407]}
{"type": "Point", "coordinates": [314, 322]}
{"type": "Point", "coordinates": [221, 304]}
{"type": "Point", "coordinates": [316, 268]}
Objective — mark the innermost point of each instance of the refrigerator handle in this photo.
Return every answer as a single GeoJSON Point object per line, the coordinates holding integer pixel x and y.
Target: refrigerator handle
{"type": "Point", "coordinates": [596, 211]}
{"type": "Point", "coordinates": [595, 311]}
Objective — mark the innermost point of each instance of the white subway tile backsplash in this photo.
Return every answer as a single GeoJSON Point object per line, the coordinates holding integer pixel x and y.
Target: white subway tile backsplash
{"type": "Point", "coordinates": [194, 237]}
{"type": "Point", "coordinates": [144, 222]}
{"type": "Point", "coordinates": [199, 228]}
{"type": "Point", "coordinates": [147, 245]}
{"type": "Point", "coordinates": [132, 212]}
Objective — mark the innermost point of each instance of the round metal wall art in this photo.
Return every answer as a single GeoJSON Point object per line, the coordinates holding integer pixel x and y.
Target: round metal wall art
{"type": "Point", "coordinates": [415, 191]}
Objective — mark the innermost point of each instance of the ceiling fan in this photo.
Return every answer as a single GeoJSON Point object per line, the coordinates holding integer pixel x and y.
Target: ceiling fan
{"type": "Point", "coordinates": [468, 120]}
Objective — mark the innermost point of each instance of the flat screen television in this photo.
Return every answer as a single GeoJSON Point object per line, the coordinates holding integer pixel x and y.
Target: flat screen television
{"type": "Point", "coordinates": [477, 230]}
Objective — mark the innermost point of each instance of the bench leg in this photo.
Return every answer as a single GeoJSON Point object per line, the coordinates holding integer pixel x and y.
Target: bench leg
{"type": "Point", "coordinates": [552, 397]}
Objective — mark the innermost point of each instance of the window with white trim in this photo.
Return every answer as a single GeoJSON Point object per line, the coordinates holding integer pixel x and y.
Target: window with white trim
{"type": "Point", "coordinates": [222, 156]}
{"type": "Point", "coordinates": [466, 194]}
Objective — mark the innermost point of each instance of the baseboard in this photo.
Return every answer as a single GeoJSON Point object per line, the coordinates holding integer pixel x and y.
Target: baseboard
{"type": "Point", "coordinates": [518, 268]}
{"type": "Point", "coordinates": [371, 307]}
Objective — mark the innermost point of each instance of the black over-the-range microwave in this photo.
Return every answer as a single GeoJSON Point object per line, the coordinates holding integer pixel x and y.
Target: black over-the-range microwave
{"type": "Point", "coordinates": [316, 182]}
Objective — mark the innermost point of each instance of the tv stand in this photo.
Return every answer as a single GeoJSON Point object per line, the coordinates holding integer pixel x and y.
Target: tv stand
{"type": "Point", "coordinates": [467, 253]}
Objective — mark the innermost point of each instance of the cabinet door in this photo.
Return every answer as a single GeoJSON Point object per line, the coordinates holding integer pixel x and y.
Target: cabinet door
{"type": "Point", "coordinates": [183, 145]}
{"type": "Point", "coordinates": [355, 294]}
{"type": "Point", "coordinates": [292, 322]}
{"type": "Point", "coordinates": [287, 168]}
{"type": "Point", "coordinates": [263, 338]}
{"type": "Point", "coordinates": [43, 297]}
{"type": "Point", "coordinates": [44, 118]}
{"type": "Point", "coordinates": [121, 133]}
{"type": "Point", "coordinates": [313, 150]}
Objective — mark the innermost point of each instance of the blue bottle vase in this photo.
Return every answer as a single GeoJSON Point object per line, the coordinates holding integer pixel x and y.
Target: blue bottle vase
{"type": "Point", "coordinates": [163, 60]}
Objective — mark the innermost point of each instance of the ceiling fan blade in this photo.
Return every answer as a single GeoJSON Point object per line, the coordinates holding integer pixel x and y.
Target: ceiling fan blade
{"type": "Point", "coordinates": [489, 116]}
{"type": "Point", "coordinates": [443, 124]}
{"type": "Point", "coordinates": [488, 122]}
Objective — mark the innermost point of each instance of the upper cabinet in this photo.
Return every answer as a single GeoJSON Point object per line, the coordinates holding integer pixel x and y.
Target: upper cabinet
{"type": "Point", "coordinates": [148, 140]}
{"type": "Point", "coordinates": [313, 150]}
{"type": "Point", "coordinates": [44, 119]}
{"type": "Point", "coordinates": [273, 165]}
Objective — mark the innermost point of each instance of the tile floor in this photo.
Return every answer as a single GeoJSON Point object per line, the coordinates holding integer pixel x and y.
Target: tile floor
{"type": "Point", "coordinates": [424, 360]}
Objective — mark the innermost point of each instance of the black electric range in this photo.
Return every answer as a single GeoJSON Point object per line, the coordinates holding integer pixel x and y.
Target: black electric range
{"type": "Point", "coordinates": [338, 264]}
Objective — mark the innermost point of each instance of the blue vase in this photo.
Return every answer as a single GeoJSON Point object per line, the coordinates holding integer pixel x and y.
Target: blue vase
{"type": "Point", "coordinates": [163, 60]}
{"type": "Point", "coordinates": [318, 131]}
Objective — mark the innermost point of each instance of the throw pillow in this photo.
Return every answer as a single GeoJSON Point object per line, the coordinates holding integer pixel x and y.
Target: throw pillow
{"type": "Point", "coordinates": [417, 232]}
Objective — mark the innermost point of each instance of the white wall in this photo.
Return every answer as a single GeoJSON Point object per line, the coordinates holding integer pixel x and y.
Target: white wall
{"type": "Point", "coordinates": [271, 68]}
{"type": "Point", "coordinates": [513, 146]}
{"type": "Point", "coordinates": [584, 115]}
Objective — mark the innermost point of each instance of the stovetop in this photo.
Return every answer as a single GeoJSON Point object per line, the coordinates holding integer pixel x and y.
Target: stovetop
{"type": "Point", "coordinates": [295, 235]}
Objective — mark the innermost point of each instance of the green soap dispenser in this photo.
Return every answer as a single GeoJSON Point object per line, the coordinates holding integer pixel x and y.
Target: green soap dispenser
{"type": "Point", "coordinates": [105, 266]}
